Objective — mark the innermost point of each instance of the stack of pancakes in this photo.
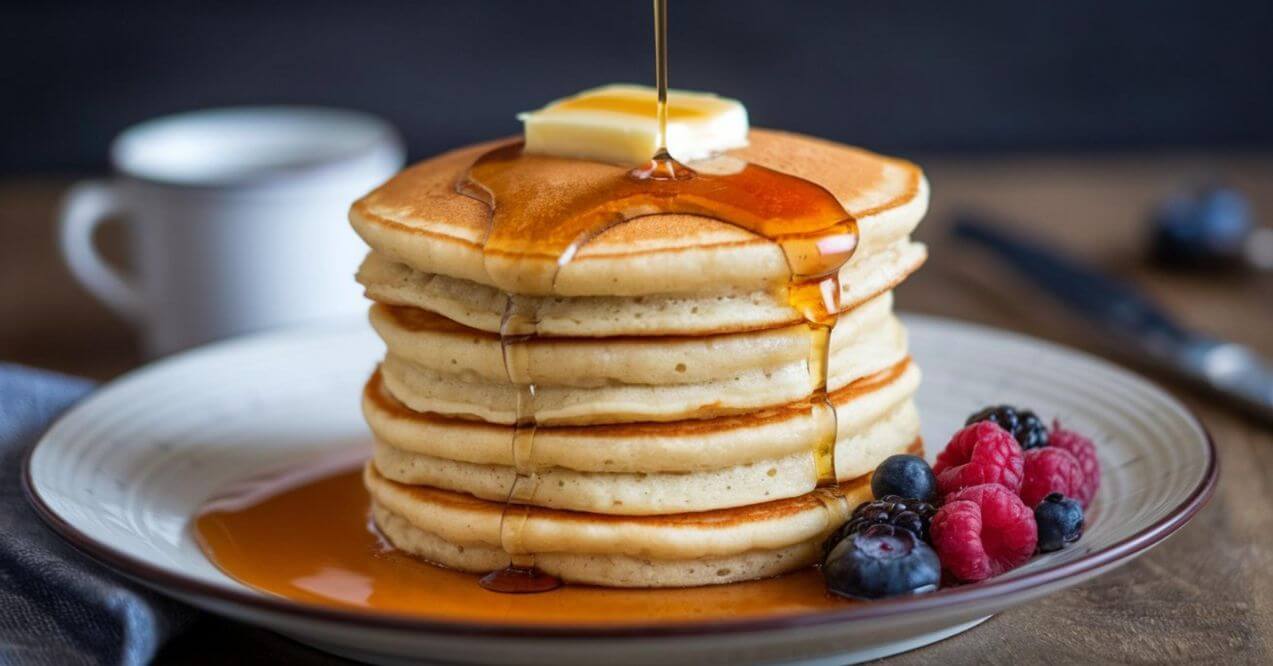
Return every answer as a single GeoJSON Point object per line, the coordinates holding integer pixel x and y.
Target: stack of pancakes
{"type": "Point", "coordinates": [672, 384]}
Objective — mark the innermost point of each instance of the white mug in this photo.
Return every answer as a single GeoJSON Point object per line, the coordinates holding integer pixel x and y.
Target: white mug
{"type": "Point", "coordinates": [236, 220]}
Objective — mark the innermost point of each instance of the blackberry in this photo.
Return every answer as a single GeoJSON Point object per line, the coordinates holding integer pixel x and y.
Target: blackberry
{"type": "Point", "coordinates": [1024, 425]}
{"type": "Point", "coordinates": [908, 514]}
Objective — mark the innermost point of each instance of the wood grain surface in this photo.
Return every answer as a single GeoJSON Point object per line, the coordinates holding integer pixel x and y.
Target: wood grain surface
{"type": "Point", "coordinates": [1206, 595]}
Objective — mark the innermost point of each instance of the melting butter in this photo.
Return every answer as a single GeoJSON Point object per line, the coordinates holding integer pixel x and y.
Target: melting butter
{"type": "Point", "coordinates": [617, 123]}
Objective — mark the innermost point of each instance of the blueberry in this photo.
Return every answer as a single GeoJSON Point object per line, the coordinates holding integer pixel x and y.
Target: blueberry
{"type": "Point", "coordinates": [881, 561]}
{"type": "Point", "coordinates": [1203, 228]}
{"type": "Point", "coordinates": [1060, 522]}
{"type": "Point", "coordinates": [904, 476]}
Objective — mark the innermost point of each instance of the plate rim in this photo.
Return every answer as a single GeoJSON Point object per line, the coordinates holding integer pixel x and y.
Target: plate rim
{"type": "Point", "coordinates": [185, 588]}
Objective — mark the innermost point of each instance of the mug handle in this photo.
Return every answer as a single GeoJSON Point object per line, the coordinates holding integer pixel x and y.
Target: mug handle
{"type": "Point", "coordinates": [85, 207]}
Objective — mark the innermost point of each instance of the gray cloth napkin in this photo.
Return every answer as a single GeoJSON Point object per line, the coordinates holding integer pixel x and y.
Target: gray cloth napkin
{"type": "Point", "coordinates": [57, 606]}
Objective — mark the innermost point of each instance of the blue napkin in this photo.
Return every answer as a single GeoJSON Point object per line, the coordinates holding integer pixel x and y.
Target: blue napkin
{"type": "Point", "coordinates": [58, 607]}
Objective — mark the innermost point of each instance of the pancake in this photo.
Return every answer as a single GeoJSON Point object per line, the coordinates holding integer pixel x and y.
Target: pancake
{"type": "Point", "coordinates": [418, 219]}
{"type": "Point", "coordinates": [597, 569]}
{"type": "Point", "coordinates": [427, 390]}
{"type": "Point", "coordinates": [646, 494]}
{"type": "Point", "coordinates": [864, 340]}
{"type": "Point", "coordinates": [679, 446]}
{"type": "Point", "coordinates": [481, 307]}
{"type": "Point", "coordinates": [446, 370]}
{"type": "Point", "coordinates": [651, 468]}
{"type": "Point", "coordinates": [704, 548]}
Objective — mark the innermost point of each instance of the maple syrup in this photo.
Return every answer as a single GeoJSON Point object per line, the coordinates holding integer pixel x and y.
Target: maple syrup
{"type": "Point", "coordinates": [307, 535]}
{"type": "Point", "coordinates": [536, 220]}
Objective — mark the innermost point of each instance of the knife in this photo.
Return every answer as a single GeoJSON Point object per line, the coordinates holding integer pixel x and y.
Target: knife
{"type": "Point", "coordinates": [1136, 325]}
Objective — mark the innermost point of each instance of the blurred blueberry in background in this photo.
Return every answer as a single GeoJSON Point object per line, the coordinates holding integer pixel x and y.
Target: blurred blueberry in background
{"type": "Point", "coordinates": [1209, 228]}
{"type": "Point", "coordinates": [1205, 227]}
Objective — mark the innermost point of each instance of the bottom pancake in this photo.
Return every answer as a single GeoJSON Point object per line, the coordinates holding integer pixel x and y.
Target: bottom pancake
{"type": "Point", "coordinates": [678, 550]}
{"type": "Point", "coordinates": [608, 570]}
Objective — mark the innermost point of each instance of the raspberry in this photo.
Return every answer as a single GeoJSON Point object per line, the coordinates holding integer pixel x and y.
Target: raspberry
{"type": "Point", "coordinates": [1048, 471]}
{"type": "Point", "coordinates": [980, 453]}
{"type": "Point", "coordinates": [1085, 453]}
{"type": "Point", "coordinates": [983, 531]}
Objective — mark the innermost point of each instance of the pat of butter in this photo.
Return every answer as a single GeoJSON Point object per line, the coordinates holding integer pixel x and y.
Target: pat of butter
{"type": "Point", "coordinates": [617, 123]}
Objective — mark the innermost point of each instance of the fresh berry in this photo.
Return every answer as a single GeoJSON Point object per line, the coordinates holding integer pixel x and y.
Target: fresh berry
{"type": "Point", "coordinates": [980, 453]}
{"type": "Point", "coordinates": [983, 531]}
{"type": "Point", "coordinates": [1203, 228]}
{"type": "Point", "coordinates": [1060, 521]}
{"type": "Point", "coordinates": [904, 476]}
{"type": "Point", "coordinates": [1023, 424]}
{"type": "Point", "coordinates": [881, 561]}
{"type": "Point", "coordinates": [1083, 451]}
{"type": "Point", "coordinates": [892, 510]}
{"type": "Point", "coordinates": [1050, 470]}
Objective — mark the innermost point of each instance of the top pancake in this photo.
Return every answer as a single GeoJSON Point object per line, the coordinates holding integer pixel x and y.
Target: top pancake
{"type": "Point", "coordinates": [419, 219]}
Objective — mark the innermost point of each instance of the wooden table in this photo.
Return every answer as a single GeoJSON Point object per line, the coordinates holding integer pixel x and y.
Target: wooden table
{"type": "Point", "coordinates": [1206, 595]}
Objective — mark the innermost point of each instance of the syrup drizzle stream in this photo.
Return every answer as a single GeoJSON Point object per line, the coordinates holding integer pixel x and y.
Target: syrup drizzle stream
{"type": "Point", "coordinates": [525, 251]}
{"type": "Point", "coordinates": [660, 78]}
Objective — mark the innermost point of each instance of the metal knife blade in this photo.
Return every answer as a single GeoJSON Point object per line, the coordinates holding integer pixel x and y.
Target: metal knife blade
{"type": "Point", "coordinates": [1136, 324]}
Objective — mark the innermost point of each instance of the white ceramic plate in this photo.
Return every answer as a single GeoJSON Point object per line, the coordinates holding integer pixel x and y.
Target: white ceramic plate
{"type": "Point", "coordinates": [122, 473]}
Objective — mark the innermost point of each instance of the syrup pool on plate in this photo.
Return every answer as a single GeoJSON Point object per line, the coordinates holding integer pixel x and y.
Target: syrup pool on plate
{"type": "Point", "coordinates": [306, 535]}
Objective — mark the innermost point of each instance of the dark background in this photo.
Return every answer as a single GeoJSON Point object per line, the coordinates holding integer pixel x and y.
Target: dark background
{"type": "Point", "coordinates": [923, 75]}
